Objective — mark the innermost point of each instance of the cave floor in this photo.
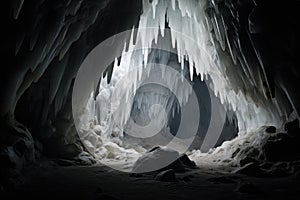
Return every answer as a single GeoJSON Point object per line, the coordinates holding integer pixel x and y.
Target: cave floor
{"type": "Point", "coordinates": [99, 182]}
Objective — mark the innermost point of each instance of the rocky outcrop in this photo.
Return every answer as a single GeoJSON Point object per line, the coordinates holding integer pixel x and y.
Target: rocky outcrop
{"type": "Point", "coordinates": [16, 150]}
{"type": "Point", "coordinates": [160, 159]}
{"type": "Point", "coordinates": [277, 155]}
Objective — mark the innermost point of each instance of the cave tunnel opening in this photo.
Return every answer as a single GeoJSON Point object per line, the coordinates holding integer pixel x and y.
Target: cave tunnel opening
{"type": "Point", "coordinates": [188, 85]}
{"type": "Point", "coordinates": [202, 55]}
{"type": "Point", "coordinates": [151, 114]}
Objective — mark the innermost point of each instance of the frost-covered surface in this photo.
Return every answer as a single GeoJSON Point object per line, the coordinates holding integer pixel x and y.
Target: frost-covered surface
{"type": "Point", "coordinates": [227, 156]}
{"type": "Point", "coordinates": [239, 87]}
{"type": "Point", "coordinates": [107, 118]}
{"type": "Point", "coordinates": [230, 80]}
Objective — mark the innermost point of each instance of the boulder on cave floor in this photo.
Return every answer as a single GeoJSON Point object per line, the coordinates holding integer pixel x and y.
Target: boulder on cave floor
{"type": "Point", "coordinates": [162, 158]}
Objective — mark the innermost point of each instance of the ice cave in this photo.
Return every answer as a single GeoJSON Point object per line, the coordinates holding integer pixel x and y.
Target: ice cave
{"type": "Point", "coordinates": [152, 99]}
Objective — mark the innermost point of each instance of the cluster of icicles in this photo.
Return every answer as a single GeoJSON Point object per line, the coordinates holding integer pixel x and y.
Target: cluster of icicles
{"type": "Point", "coordinates": [240, 91]}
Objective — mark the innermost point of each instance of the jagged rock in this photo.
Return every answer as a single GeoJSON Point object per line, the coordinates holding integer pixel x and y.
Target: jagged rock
{"type": "Point", "coordinates": [250, 152]}
{"type": "Point", "coordinates": [247, 155]}
{"type": "Point", "coordinates": [166, 158]}
{"type": "Point", "coordinates": [247, 160]}
{"type": "Point", "coordinates": [167, 176]}
{"type": "Point", "coordinates": [252, 169]}
{"type": "Point", "coordinates": [157, 158]}
{"type": "Point", "coordinates": [187, 162]}
{"type": "Point", "coordinates": [17, 149]}
{"type": "Point", "coordinates": [281, 147]}
{"type": "Point", "coordinates": [17, 136]}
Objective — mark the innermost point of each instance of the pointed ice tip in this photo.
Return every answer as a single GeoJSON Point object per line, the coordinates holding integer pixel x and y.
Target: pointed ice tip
{"type": "Point", "coordinates": [173, 4]}
{"type": "Point", "coordinates": [17, 9]}
{"type": "Point", "coordinates": [191, 76]}
{"type": "Point", "coordinates": [61, 56]}
{"type": "Point", "coordinates": [201, 77]}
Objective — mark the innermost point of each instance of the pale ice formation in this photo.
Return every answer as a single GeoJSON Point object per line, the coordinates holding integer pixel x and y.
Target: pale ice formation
{"type": "Point", "coordinates": [239, 87]}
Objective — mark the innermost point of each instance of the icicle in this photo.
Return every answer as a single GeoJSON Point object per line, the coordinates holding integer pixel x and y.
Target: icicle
{"type": "Point", "coordinates": [173, 4]}
{"type": "Point", "coordinates": [154, 3]}
{"type": "Point", "coordinates": [191, 36]}
{"type": "Point", "coordinates": [19, 42]}
{"type": "Point", "coordinates": [17, 8]}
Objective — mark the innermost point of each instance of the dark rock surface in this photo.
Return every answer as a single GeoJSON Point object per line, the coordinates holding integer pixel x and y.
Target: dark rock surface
{"type": "Point", "coordinates": [248, 188]}
{"type": "Point", "coordinates": [293, 128]}
{"type": "Point", "coordinates": [185, 160]}
{"type": "Point", "coordinates": [160, 159]}
{"type": "Point", "coordinates": [283, 146]}
{"type": "Point", "coordinates": [277, 155]}
{"type": "Point", "coordinates": [16, 151]}
{"type": "Point", "coordinates": [84, 182]}
{"type": "Point", "coordinates": [167, 176]}
{"type": "Point", "coordinates": [271, 129]}
{"type": "Point", "coordinates": [252, 169]}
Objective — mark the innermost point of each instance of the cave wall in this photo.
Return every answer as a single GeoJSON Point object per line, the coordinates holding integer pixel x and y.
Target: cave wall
{"type": "Point", "coordinates": [263, 35]}
{"type": "Point", "coordinates": [47, 41]}
{"type": "Point", "coordinates": [51, 40]}
{"type": "Point", "coordinates": [45, 45]}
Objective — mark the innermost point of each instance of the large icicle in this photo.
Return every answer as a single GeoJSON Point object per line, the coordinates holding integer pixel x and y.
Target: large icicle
{"type": "Point", "coordinates": [230, 82]}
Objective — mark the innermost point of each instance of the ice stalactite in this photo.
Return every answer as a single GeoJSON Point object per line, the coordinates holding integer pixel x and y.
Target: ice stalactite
{"type": "Point", "coordinates": [17, 8]}
{"type": "Point", "coordinates": [110, 115]}
{"type": "Point", "coordinates": [238, 86]}
{"type": "Point", "coordinates": [51, 37]}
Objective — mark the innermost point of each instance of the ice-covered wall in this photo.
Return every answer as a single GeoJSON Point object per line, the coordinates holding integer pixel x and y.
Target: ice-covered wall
{"type": "Point", "coordinates": [132, 99]}
{"type": "Point", "coordinates": [238, 85]}
{"type": "Point", "coordinates": [127, 89]}
{"type": "Point", "coordinates": [200, 38]}
{"type": "Point", "coordinates": [48, 39]}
